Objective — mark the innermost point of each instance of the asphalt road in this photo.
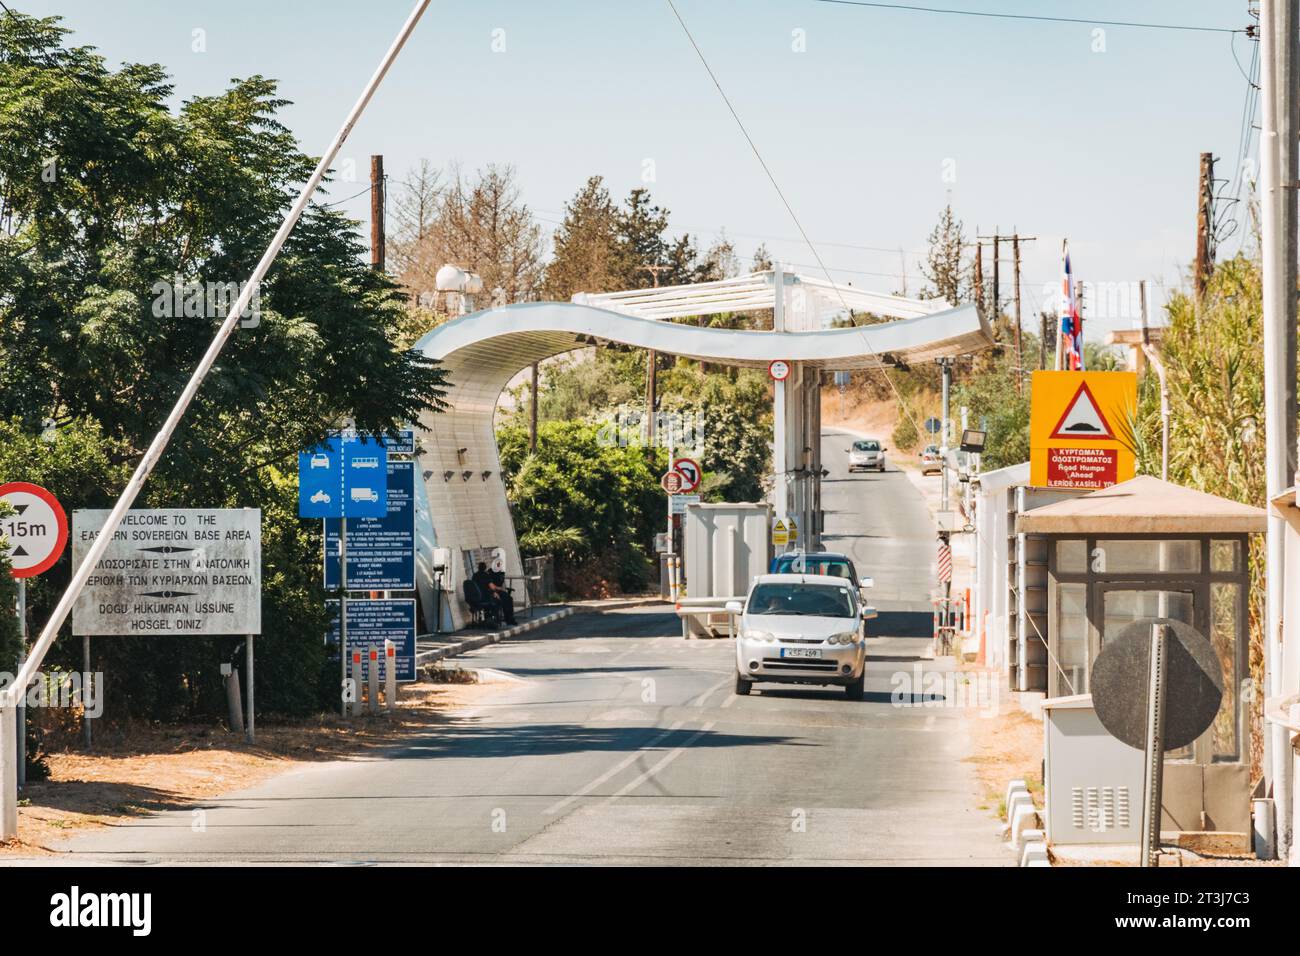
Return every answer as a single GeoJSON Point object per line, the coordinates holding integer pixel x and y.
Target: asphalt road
{"type": "Point", "coordinates": [621, 743]}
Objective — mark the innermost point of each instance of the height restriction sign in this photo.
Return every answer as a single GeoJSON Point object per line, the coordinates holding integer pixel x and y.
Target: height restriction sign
{"type": "Point", "coordinates": [1079, 429]}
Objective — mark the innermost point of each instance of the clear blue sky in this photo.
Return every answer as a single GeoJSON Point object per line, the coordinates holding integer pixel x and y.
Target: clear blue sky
{"type": "Point", "coordinates": [1045, 134]}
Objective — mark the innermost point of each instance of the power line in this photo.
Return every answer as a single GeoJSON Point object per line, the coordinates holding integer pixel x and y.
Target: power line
{"type": "Point", "coordinates": [339, 202]}
{"type": "Point", "coordinates": [911, 8]}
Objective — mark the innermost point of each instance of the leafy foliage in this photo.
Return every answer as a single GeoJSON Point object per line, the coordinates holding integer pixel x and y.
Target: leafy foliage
{"type": "Point", "coordinates": [109, 202]}
{"type": "Point", "coordinates": [595, 504]}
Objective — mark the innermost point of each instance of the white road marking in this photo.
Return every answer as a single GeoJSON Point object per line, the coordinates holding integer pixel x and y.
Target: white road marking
{"type": "Point", "coordinates": [664, 761]}
{"type": "Point", "coordinates": [627, 761]}
{"type": "Point", "coordinates": [612, 771]}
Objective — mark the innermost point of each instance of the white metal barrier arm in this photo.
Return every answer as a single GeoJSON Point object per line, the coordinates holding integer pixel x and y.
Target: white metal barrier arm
{"type": "Point", "coordinates": [159, 444]}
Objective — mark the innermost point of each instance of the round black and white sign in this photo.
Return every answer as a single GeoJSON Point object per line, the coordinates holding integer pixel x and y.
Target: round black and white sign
{"type": "Point", "coordinates": [37, 532]}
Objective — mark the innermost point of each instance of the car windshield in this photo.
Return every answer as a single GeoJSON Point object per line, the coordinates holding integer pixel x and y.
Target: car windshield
{"type": "Point", "coordinates": [866, 446]}
{"type": "Point", "coordinates": [819, 600]}
{"type": "Point", "coordinates": [814, 564]}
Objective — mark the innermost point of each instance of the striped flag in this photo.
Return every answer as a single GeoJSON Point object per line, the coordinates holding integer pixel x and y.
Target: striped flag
{"type": "Point", "coordinates": [1070, 352]}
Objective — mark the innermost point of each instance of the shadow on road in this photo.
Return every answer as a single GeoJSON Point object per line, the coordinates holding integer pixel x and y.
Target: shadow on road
{"type": "Point", "coordinates": [902, 624]}
{"type": "Point", "coordinates": [470, 739]}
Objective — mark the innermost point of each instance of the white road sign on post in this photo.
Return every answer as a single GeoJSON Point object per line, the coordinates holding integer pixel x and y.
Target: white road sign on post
{"type": "Point", "coordinates": [172, 571]}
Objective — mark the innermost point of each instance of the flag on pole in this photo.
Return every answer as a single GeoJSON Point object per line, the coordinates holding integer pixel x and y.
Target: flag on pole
{"type": "Point", "coordinates": [1070, 352]}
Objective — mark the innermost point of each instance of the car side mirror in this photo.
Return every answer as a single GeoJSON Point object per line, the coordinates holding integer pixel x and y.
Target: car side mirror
{"type": "Point", "coordinates": [868, 613]}
{"type": "Point", "coordinates": [734, 607]}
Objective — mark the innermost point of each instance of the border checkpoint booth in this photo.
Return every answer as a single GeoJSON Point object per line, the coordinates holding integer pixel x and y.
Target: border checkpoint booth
{"type": "Point", "coordinates": [461, 501]}
{"type": "Point", "coordinates": [1139, 549]}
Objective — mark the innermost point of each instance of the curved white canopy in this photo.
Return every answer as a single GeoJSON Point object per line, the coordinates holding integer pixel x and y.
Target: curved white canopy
{"type": "Point", "coordinates": [461, 502]}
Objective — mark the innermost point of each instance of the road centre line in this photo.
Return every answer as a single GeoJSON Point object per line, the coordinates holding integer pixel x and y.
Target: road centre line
{"type": "Point", "coordinates": [627, 761]}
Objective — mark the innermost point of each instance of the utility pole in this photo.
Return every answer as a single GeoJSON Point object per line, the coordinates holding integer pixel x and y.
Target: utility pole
{"type": "Point", "coordinates": [1046, 320]}
{"type": "Point", "coordinates": [652, 368]}
{"type": "Point", "coordinates": [1278, 24]}
{"type": "Point", "coordinates": [1016, 240]}
{"type": "Point", "coordinates": [1204, 225]}
{"type": "Point", "coordinates": [997, 293]}
{"type": "Point", "coordinates": [979, 273]}
{"type": "Point", "coordinates": [377, 213]}
{"type": "Point", "coordinates": [1020, 351]}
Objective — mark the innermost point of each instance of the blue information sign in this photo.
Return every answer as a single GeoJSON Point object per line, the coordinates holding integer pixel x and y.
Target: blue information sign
{"type": "Point", "coordinates": [344, 477]}
{"type": "Point", "coordinates": [381, 551]}
{"type": "Point", "coordinates": [370, 623]}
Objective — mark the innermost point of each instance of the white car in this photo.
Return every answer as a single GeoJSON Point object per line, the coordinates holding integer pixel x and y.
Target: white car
{"type": "Point", "coordinates": [867, 453]}
{"type": "Point", "coordinates": [802, 629]}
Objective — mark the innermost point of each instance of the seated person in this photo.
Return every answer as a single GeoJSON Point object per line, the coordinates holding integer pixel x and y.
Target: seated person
{"type": "Point", "coordinates": [492, 591]}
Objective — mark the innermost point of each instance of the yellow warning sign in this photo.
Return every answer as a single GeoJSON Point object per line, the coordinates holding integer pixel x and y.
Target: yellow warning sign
{"type": "Point", "coordinates": [1080, 431]}
{"type": "Point", "coordinates": [780, 534]}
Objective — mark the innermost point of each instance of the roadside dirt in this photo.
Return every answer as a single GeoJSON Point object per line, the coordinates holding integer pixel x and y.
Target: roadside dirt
{"type": "Point", "coordinates": [146, 768]}
{"type": "Point", "coordinates": [1007, 747]}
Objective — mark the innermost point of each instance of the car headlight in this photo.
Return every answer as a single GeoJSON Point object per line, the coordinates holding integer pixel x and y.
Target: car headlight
{"type": "Point", "coordinates": [763, 637]}
{"type": "Point", "coordinates": [848, 637]}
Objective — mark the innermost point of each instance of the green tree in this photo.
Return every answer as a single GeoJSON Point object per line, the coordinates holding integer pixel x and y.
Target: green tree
{"type": "Point", "coordinates": [123, 228]}
{"type": "Point", "coordinates": [587, 257]}
{"type": "Point", "coordinates": [942, 267]}
{"type": "Point", "coordinates": [594, 503]}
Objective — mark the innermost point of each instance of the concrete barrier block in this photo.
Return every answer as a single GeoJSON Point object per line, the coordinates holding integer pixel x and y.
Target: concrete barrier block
{"type": "Point", "coordinates": [1024, 819]}
{"type": "Point", "coordinates": [1014, 787]}
{"type": "Point", "coordinates": [1035, 854]}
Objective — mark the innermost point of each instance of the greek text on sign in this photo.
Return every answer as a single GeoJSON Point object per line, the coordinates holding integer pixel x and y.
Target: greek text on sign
{"type": "Point", "coordinates": [1076, 432]}
{"type": "Point", "coordinates": [1081, 467]}
{"type": "Point", "coordinates": [172, 571]}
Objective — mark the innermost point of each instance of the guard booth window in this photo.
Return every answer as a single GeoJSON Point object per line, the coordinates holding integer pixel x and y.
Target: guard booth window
{"type": "Point", "coordinates": [1098, 586]}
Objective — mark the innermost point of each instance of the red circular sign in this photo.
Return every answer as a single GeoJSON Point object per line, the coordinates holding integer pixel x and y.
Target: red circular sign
{"type": "Point", "coordinates": [779, 369]}
{"type": "Point", "coordinates": [38, 533]}
{"type": "Point", "coordinates": [690, 471]}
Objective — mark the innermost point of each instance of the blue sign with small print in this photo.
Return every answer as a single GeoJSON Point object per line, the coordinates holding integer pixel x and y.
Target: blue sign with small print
{"type": "Point", "coordinates": [381, 551]}
{"type": "Point", "coordinates": [370, 623]}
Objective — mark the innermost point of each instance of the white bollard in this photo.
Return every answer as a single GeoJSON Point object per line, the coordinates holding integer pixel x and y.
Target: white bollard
{"type": "Point", "coordinates": [390, 676]}
{"type": "Point", "coordinates": [358, 684]}
{"type": "Point", "coordinates": [8, 773]}
{"type": "Point", "coordinates": [373, 674]}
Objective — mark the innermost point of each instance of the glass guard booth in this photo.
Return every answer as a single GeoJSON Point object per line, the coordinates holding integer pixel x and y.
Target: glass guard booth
{"type": "Point", "coordinates": [1144, 549]}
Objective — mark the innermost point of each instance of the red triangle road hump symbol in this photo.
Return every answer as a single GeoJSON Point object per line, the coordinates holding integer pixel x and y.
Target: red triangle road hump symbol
{"type": "Point", "coordinates": [1083, 418]}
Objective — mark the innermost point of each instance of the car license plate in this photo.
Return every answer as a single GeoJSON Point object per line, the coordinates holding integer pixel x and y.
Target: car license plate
{"type": "Point", "coordinates": [810, 652]}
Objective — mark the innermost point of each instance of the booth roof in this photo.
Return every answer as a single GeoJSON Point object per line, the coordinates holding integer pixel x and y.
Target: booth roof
{"type": "Point", "coordinates": [1143, 505]}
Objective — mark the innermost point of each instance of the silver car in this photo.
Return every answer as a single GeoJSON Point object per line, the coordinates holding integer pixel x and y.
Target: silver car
{"type": "Point", "coordinates": [802, 629]}
{"type": "Point", "coordinates": [867, 453]}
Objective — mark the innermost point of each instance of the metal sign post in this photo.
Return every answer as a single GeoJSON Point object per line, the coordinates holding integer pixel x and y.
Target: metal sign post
{"type": "Point", "coordinates": [22, 701]}
{"type": "Point", "coordinates": [1155, 751]}
{"type": "Point", "coordinates": [343, 619]}
{"type": "Point", "coordinates": [86, 688]}
{"type": "Point", "coordinates": [1157, 686]}
{"type": "Point", "coordinates": [250, 734]}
